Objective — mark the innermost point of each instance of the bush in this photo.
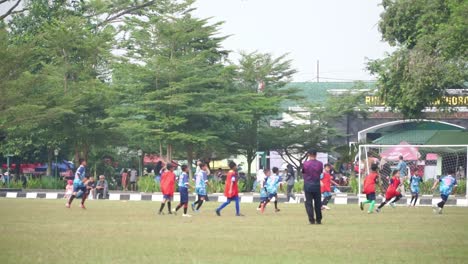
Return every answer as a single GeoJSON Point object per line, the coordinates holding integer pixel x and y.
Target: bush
{"type": "Point", "coordinates": [148, 184]}
{"type": "Point", "coordinates": [45, 182]}
{"type": "Point", "coordinates": [353, 183]}
{"type": "Point", "coordinates": [216, 186]}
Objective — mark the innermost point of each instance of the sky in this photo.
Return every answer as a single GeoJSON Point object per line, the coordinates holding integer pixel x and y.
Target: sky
{"type": "Point", "coordinates": [341, 34]}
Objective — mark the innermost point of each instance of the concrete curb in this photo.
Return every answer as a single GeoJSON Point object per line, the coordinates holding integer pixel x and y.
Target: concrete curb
{"type": "Point", "coordinates": [424, 200]}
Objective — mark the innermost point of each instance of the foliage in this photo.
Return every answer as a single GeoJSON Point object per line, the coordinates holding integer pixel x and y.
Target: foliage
{"type": "Point", "coordinates": [216, 186]}
{"type": "Point", "coordinates": [353, 183]}
{"type": "Point", "coordinates": [430, 55]}
{"type": "Point", "coordinates": [148, 184]}
{"type": "Point", "coordinates": [45, 182]}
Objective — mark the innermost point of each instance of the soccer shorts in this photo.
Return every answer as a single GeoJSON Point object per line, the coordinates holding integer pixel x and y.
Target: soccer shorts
{"type": "Point", "coordinates": [370, 196]}
{"type": "Point", "coordinates": [326, 194]}
{"type": "Point", "coordinates": [263, 199]}
{"type": "Point", "coordinates": [415, 190]}
{"type": "Point", "coordinates": [391, 193]}
{"type": "Point", "coordinates": [444, 197]}
{"type": "Point", "coordinates": [271, 195]}
{"type": "Point", "coordinates": [168, 196]}
{"type": "Point", "coordinates": [183, 194]}
{"type": "Point", "coordinates": [201, 191]}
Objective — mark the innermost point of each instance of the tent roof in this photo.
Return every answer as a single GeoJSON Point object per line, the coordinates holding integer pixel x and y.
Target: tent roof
{"type": "Point", "coordinates": [448, 138]}
{"type": "Point", "coordinates": [412, 137]}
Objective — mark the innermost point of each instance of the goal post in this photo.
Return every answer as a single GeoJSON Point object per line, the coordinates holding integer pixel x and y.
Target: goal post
{"type": "Point", "coordinates": [427, 161]}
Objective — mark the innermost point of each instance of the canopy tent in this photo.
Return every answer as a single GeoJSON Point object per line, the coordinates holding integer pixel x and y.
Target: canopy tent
{"type": "Point", "coordinates": [152, 159]}
{"type": "Point", "coordinates": [24, 168]}
{"type": "Point", "coordinates": [394, 153]}
{"type": "Point", "coordinates": [62, 167]}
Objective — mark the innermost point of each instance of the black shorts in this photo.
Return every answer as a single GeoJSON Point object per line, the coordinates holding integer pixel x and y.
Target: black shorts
{"type": "Point", "coordinates": [370, 196]}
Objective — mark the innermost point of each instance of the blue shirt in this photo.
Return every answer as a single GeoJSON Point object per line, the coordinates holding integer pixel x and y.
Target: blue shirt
{"type": "Point", "coordinates": [446, 184]}
{"type": "Point", "coordinates": [402, 168]}
{"type": "Point", "coordinates": [80, 174]}
{"type": "Point", "coordinates": [200, 179]}
{"type": "Point", "coordinates": [183, 179]}
{"type": "Point", "coordinates": [272, 183]}
{"type": "Point", "coordinates": [415, 181]}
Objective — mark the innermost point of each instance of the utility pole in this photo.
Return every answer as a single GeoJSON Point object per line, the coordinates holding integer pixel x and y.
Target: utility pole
{"type": "Point", "coordinates": [318, 71]}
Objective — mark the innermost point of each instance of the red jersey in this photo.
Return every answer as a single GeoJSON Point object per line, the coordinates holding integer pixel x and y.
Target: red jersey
{"type": "Point", "coordinates": [167, 183]}
{"type": "Point", "coordinates": [231, 190]}
{"type": "Point", "coordinates": [392, 188]}
{"type": "Point", "coordinates": [326, 182]}
{"type": "Point", "coordinates": [369, 183]}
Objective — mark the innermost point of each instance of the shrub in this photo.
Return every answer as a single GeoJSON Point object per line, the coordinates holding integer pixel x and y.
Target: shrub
{"type": "Point", "coordinates": [148, 184]}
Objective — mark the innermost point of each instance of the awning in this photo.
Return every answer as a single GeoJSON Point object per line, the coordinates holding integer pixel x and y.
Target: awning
{"type": "Point", "coordinates": [394, 153]}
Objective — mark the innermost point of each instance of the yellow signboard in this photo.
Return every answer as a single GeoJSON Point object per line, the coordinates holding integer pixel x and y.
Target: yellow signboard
{"type": "Point", "coordinates": [452, 100]}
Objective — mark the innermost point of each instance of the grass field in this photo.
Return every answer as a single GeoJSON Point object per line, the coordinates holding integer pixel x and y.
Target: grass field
{"type": "Point", "coordinates": [44, 231]}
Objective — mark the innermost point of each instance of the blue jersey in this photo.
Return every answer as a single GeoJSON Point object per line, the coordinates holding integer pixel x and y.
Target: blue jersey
{"type": "Point", "coordinates": [200, 179]}
{"type": "Point", "coordinates": [446, 184]}
{"type": "Point", "coordinates": [183, 179]}
{"type": "Point", "coordinates": [80, 174]}
{"type": "Point", "coordinates": [263, 191]}
{"type": "Point", "coordinates": [272, 184]}
{"type": "Point", "coordinates": [415, 181]}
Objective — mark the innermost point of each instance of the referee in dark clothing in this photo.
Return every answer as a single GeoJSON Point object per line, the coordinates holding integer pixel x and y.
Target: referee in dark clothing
{"type": "Point", "coordinates": [312, 169]}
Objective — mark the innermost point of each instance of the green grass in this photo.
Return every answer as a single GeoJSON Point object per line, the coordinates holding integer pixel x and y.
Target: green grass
{"type": "Point", "coordinates": [44, 231]}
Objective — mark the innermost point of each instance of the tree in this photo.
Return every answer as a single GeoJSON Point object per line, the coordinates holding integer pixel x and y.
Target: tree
{"type": "Point", "coordinates": [430, 55]}
{"type": "Point", "coordinates": [174, 80]}
{"type": "Point", "coordinates": [260, 91]}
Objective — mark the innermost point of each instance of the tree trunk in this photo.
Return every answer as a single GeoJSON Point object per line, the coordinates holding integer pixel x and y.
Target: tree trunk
{"type": "Point", "coordinates": [250, 159]}
{"type": "Point", "coordinates": [49, 163]}
{"type": "Point", "coordinates": [190, 159]}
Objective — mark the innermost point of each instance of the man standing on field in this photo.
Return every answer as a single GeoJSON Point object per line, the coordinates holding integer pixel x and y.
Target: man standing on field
{"type": "Point", "coordinates": [312, 169]}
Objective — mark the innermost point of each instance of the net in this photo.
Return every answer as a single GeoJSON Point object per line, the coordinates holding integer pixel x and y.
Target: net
{"type": "Point", "coordinates": [426, 161]}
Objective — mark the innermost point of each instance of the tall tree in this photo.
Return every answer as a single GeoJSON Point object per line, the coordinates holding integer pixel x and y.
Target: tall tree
{"type": "Point", "coordinates": [430, 56]}
{"type": "Point", "coordinates": [260, 91]}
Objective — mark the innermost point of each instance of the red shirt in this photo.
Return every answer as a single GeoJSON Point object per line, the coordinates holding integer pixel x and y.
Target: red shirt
{"type": "Point", "coordinates": [167, 183]}
{"type": "Point", "coordinates": [369, 183]}
{"type": "Point", "coordinates": [326, 183]}
{"type": "Point", "coordinates": [231, 190]}
{"type": "Point", "coordinates": [394, 183]}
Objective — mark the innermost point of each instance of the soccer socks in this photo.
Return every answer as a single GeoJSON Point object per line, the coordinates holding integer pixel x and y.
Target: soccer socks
{"type": "Point", "coordinates": [169, 207]}
{"type": "Point", "coordinates": [162, 207]}
{"type": "Point", "coordinates": [276, 204]}
{"type": "Point", "coordinates": [412, 199]}
{"type": "Point", "coordinates": [178, 207]}
{"type": "Point", "coordinates": [415, 199]}
{"type": "Point", "coordinates": [441, 204]}
{"type": "Point", "coordinates": [325, 200]}
{"type": "Point", "coordinates": [397, 198]}
{"type": "Point", "coordinates": [382, 204]}
{"type": "Point", "coordinates": [372, 204]}
{"type": "Point", "coordinates": [185, 209]}
{"type": "Point", "coordinates": [367, 201]}
{"type": "Point", "coordinates": [200, 203]}
{"type": "Point", "coordinates": [71, 199]}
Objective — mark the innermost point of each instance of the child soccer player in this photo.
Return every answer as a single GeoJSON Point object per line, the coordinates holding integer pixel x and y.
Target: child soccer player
{"type": "Point", "coordinates": [326, 181]}
{"type": "Point", "coordinates": [448, 184]}
{"type": "Point", "coordinates": [369, 188]}
{"type": "Point", "coordinates": [414, 186]}
{"type": "Point", "coordinates": [263, 190]}
{"type": "Point", "coordinates": [183, 189]}
{"type": "Point", "coordinates": [201, 180]}
{"type": "Point", "coordinates": [231, 189]}
{"type": "Point", "coordinates": [271, 185]}
{"type": "Point", "coordinates": [392, 191]}
{"type": "Point", "coordinates": [79, 185]}
{"type": "Point", "coordinates": [167, 188]}
{"type": "Point", "coordinates": [68, 189]}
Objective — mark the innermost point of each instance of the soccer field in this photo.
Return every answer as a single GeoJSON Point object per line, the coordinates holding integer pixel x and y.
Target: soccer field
{"type": "Point", "coordinates": [44, 231]}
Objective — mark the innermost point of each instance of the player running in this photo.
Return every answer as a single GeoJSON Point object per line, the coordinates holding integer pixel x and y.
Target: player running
{"type": "Point", "coordinates": [263, 192]}
{"type": "Point", "coordinates": [231, 190]}
{"type": "Point", "coordinates": [369, 188]}
{"type": "Point", "coordinates": [325, 182]}
{"type": "Point", "coordinates": [414, 186]}
{"type": "Point", "coordinates": [183, 190]}
{"type": "Point", "coordinates": [272, 183]}
{"type": "Point", "coordinates": [167, 188]}
{"type": "Point", "coordinates": [392, 191]}
{"type": "Point", "coordinates": [79, 185]}
{"type": "Point", "coordinates": [448, 184]}
{"type": "Point", "coordinates": [201, 181]}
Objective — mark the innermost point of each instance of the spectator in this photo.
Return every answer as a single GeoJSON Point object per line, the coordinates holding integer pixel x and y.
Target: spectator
{"type": "Point", "coordinates": [219, 175]}
{"type": "Point", "coordinates": [133, 179]}
{"type": "Point", "coordinates": [157, 171]}
{"type": "Point", "coordinates": [290, 180]}
{"type": "Point", "coordinates": [6, 177]}
{"type": "Point", "coordinates": [260, 178]}
{"type": "Point", "coordinates": [124, 180]}
{"type": "Point", "coordinates": [68, 189]}
{"type": "Point", "coordinates": [91, 186]}
{"type": "Point", "coordinates": [312, 170]}
{"type": "Point", "coordinates": [101, 188]}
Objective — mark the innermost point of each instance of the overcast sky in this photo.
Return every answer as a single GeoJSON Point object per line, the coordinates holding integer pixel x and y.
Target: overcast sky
{"type": "Point", "coordinates": [339, 33]}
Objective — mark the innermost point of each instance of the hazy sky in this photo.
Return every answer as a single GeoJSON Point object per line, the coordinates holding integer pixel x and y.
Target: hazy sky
{"type": "Point", "coordinates": [339, 33]}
